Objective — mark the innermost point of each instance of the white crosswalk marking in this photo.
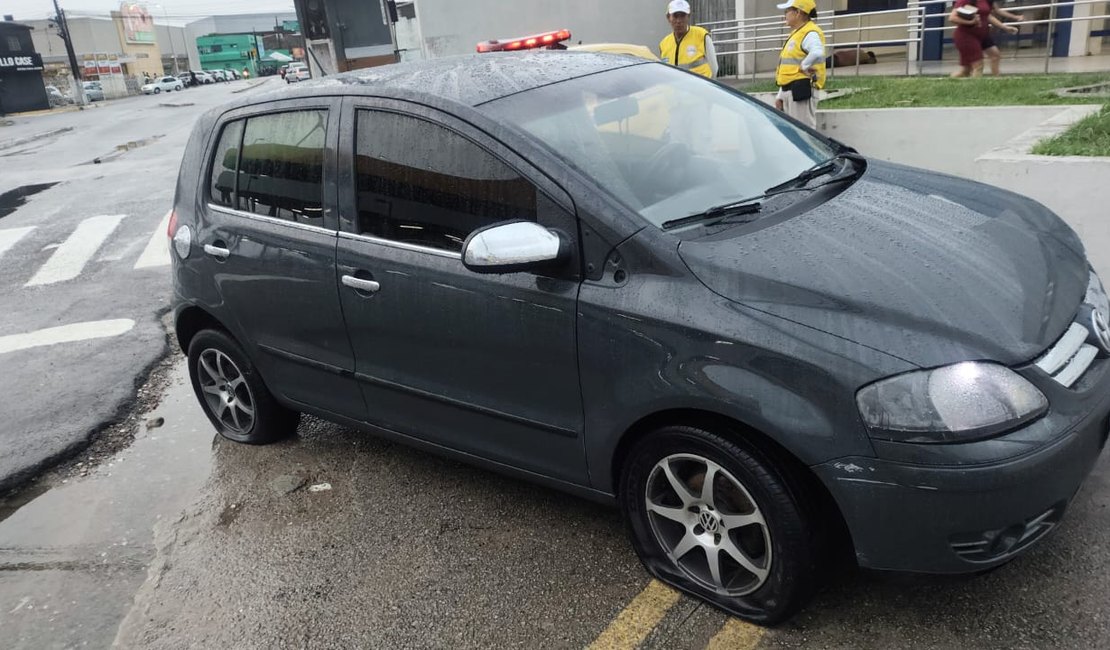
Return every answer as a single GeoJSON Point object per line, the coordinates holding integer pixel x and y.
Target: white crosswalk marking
{"type": "Point", "coordinates": [157, 251]}
{"type": "Point", "coordinates": [66, 334]}
{"type": "Point", "coordinates": [9, 237]}
{"type": "Point", "coordinates": [67, 262]}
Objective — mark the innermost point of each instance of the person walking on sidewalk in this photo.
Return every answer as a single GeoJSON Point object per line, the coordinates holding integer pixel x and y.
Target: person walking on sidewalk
{"type": "Point", "coordinates": [689, 47]}
{"type": "Point", "coordinates": [972, 35]}
{"type": "Point", "coordinates": [801, 67]}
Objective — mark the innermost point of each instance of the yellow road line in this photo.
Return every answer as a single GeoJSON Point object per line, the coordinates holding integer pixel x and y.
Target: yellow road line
{"type": "Point", "coordinates": [637, 619]}
{"type": "Point", "coordinates": [736, 635]}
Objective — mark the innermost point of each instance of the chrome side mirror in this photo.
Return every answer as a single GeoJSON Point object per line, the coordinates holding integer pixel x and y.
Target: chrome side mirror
{"type": "Point", "coordinates": [512, 247]}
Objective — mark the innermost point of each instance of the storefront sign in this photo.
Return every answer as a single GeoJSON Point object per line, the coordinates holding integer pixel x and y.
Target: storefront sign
{"type": "Point", "coordinates": [22, 63]}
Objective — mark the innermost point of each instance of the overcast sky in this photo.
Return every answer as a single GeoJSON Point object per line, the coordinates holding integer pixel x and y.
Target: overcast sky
{"type": "Point", "coordinates": [177, 10]}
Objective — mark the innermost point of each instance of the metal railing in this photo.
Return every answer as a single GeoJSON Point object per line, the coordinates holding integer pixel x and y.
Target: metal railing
{"type": "Point", "coordinates": [766, 34]}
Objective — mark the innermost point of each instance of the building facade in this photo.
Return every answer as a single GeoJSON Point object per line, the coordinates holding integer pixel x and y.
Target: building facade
{"type": "Point", "coordinates": [235, 51]}
{"type": "Point", "coordinates": [21, 85]}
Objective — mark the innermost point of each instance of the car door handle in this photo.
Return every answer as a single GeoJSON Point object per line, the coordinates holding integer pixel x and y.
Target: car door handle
{"type": "Point", "coordinates": [216, 251]}
{"type": "Point", "coordinates": [369, 286]}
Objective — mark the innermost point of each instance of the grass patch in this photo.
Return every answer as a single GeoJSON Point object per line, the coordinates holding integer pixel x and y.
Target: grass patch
{"type": "Point", "coordinates": [1087, 137]}
{"type": "Point", "coordinates": [905, 92]}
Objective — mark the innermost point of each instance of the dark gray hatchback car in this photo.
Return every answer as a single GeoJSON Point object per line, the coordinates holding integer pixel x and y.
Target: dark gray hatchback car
{"type": "Point", "coordinates": [621, 280]}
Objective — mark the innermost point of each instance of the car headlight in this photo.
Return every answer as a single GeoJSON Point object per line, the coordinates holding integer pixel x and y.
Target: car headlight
{"type": "Point", "coordinates": [959, 403]}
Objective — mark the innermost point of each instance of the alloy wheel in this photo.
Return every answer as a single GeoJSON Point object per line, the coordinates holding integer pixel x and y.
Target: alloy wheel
{"type": "Point", "coordinates": [708, 524]}
{"type": "Point", "coordinates": [226, 391]}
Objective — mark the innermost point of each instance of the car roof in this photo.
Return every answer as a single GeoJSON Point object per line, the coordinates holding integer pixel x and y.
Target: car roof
{"type": "Point", "coordinates": [471, 79]}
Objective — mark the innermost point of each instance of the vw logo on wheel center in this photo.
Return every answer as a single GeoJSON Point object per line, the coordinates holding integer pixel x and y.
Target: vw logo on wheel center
{"type": "Point", "coordinates": [708, 521]}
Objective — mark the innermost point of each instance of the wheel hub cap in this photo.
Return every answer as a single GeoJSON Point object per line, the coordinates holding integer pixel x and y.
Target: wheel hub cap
{"type": "Point", "coordinates": [708, 524]}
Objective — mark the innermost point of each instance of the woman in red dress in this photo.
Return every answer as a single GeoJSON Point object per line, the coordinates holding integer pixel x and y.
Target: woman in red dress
{"type": "Point", "coordinates": [972, 36]}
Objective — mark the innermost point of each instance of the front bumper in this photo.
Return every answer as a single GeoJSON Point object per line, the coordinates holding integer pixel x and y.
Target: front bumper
{"type": "Point", "coordinates": [966, 517]}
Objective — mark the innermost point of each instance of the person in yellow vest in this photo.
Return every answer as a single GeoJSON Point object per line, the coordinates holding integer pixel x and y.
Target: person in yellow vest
{"type": "Point", "coordinates": [801, 69]}
{"type": "Point", "coordinates": [689, 47]}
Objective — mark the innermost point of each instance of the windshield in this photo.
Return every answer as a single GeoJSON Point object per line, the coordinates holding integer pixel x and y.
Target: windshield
{"type": "Point", "coordinates": [666, 143]}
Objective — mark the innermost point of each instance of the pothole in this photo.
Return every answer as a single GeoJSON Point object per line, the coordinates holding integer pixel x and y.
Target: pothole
{"type": "Point", "coordinates": [11, 200]}
{"type": "Point", "coordinates": [124, 148]}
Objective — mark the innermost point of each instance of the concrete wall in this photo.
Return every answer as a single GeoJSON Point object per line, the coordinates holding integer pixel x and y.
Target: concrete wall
{"type": "Point", "coordinates": [173, 41]}
{"type": "Point", "coordinates": [90, 36]}
{"type": "Point", "coordinates": [942, 139]}
{"type": "Point", "coordinates": [1076, 188]}
{"type": "Point", "coordinates": [451, 27]}
{"type": "Point", "coordinates": [991, 145]}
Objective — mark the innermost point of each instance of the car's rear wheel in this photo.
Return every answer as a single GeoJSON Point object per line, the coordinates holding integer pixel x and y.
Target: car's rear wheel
{"type": "Point", "coordinates": [177, 88]}
{"type": "Point", "coordinates": [721, 521]}
{"type": "Point", "coordinates": [232, 393]}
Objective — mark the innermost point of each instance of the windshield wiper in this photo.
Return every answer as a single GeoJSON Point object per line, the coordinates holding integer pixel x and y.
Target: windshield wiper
{"type": "Point", "coordinates": [736, 208]}
{"type": "Point", "coordinates": [820, 169]}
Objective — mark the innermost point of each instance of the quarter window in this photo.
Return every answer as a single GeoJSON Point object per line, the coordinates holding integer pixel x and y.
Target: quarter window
{"type": "Point", "coordinates": [222, 181]}
{"type": "Point", "coordinates": [421, 183]}
{"type": "Point", "coordinates": [281, 166]}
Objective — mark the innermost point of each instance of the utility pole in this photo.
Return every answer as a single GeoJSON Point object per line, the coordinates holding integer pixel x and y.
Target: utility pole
{"type": "Point", "coordinates": [63, 31]}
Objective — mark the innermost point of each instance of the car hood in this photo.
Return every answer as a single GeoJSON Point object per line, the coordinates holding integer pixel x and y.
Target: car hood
{"type": "Point", "coordinates": [929, 268]}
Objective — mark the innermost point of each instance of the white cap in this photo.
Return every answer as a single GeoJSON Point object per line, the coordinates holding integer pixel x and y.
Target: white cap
{"type": "Point", "coordinates": [678, 6]}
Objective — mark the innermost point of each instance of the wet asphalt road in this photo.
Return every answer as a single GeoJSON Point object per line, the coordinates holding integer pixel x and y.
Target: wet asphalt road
{"type": "Point", "coordinates": [76, 256]}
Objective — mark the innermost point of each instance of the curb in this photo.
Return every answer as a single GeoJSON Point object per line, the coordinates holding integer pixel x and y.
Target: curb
{"type": "Point", "coordinates": [31, 138]}
{"type": "Point", "coordinates": [251, 86]}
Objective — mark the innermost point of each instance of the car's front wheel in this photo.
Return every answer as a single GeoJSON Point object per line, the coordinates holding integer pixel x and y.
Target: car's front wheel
{"type": "Point", "coordinates": [232, 393]}
{"type": "Point", "coordinates": [157, 90]}
{"type": "Point", "coordinates": [721, 521]}
{"type": "Point", "coordinates": [177, 88]}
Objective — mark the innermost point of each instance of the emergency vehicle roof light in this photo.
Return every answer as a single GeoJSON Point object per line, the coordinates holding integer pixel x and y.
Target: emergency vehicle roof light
{"type": "Point", "coordinates": [545, 39]}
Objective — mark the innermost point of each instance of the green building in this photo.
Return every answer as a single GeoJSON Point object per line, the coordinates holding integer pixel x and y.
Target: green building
{"type": "Point", "coordinates": [236, 51]}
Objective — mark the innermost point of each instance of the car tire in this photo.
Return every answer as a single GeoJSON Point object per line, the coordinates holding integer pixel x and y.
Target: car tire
{"type": "Point", "coordinates": [157, 90]}
{"type": "Point", "coordinates": [177, 88]}
{"type": "Point", "coordinates": [232, 394]}
{"type": "Point", "coordinates": [756, 519]}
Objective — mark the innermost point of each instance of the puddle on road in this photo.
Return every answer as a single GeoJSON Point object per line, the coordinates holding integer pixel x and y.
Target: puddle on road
{"type": "Point", "coordinates": [11, 200]}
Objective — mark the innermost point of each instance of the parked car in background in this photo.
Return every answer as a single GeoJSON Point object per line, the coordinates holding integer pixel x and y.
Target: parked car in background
{"type": "Point", "coordinates": [94, 92]}
{"type": "Point", "coordinates": [184, 79]}
{"type": "Point", "coordinates": [232, 74]}
{"type": "Point", "coordinates": [204, 77]}
{"type": "Point", "coordinates": [761, 345]}
{"type": "Point", "coordinates": [162, 84]}
{"type": "Point", "coordinates": [57, 97]}
{"type": "Point", "coordinates": [297, 71]}
{"type": "Point", "coordinates": [219, 75]}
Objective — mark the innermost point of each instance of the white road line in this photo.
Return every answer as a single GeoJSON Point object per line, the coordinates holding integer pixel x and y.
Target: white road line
{"type": "Point", "coordinates": [9, 237]}
{"type": "Point", "coordinates": [96, 329]}
{"type": "Point", "coordinates": [67, 262]}
{"type": "Point", "coordinates": [157, 251]}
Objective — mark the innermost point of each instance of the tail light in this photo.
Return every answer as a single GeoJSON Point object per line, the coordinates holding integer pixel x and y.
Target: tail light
{"type": "Point", "coordinates": [181, 238]}
{"type": "Point", "coordinates": [546, 39]}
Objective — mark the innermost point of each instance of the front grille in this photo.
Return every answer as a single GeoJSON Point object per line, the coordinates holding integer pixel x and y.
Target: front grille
{"type": "Point", "coordinates": [990, 545]}
{"type": "Point", "coordinates": [1069, 358]}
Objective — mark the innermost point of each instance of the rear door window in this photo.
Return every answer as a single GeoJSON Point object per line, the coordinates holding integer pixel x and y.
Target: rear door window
{"type": "Point", "coordinates": [421, 183]}
{"type": "Point", "coordinates": [280, 171]}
